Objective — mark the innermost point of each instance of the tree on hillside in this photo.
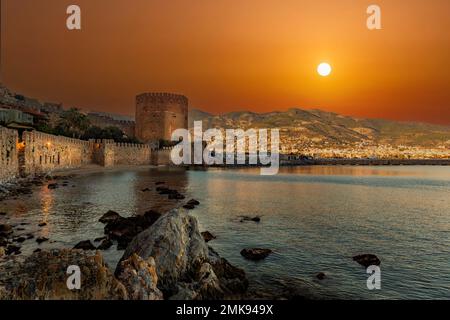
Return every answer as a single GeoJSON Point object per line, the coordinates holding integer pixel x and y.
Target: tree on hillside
{"type": "Point", "coordinates": [73, 123]}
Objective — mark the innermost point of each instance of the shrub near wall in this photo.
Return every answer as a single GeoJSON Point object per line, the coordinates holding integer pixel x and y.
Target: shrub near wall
{"type": "Point", "coordinates": [45, 153]}
{"type": "Point", "coordinates": [9, 165]}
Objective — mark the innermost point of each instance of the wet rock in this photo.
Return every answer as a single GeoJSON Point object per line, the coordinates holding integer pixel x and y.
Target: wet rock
{"type": "Point", "coordinates": [109, 217]}
{"type": "Point", "coordinates": [5, 230]}
{"type": "Point", "coordinates": [255, 253]}
{"type": "Point", "coordinates": [139, 278]}
{"type": "Point", "coordinates": [186, 267]}
{"type": "Point", "coordinates": [3, 242]}
{"type": "Point", "coordinates": [105, 245]}
{"type": "Point", "coordinates": [208, 236]}
{"type": "Point", "coordinates": [176, 196]}
{"type": "Point", "coordinates": [321, 276]}
{"type": "Point", "coordinates": [30, 236]}
{"type": "Point", "coordinates": [146, 190]}
{"type": "Point", "coordinates": [367, 260]}
{"type": "Point", "coordinates": [125, 229]}
{"type": "Point", "coordinates": [189, 206]}
{"type": "Point", "coordinates": [85, 245]}
{"type": "Point", "coordinates": [52, 186]}
{"type": "Point", "coordinates": [11, 249]}
{"type": "Point", "coordinates": [42, 276]}
{"type": "Point", "coordinates": [42, 224]}
{"type": "Point", "coordinates": [3, 213]}
{"type": "Point", "coordinates": [19, 239]}
{"type": "Point", "coordinates": [159, 183]}
{"type": "Point", "coordinates": [20, 229]}
{"type": "Point", "coordinates": [41, 240]}
{"type": "Point", "coordinates": [247, 218]}
{"type": "Point", "coordinates": [100, 239]}
{"type": "Point", "coordinates": [23, 191]}
{"type": "Point", "coordinates": [193, 202]}
{"type": "Point", "coordinates": [37, 250]}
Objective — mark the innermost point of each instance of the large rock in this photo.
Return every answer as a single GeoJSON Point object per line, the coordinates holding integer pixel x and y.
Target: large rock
{"type": "Point", "coordinates": [186, 267]}
{"type": "Point", "coordinates": [139, 278]}
{"type": "Point", "coordinates": [125, 229]}
{"type": "Point", "coordinates": [43, 276]}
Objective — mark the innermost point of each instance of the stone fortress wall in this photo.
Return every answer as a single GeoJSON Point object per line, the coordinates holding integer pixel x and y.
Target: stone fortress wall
{"type": "Point", "coordinates": [9, 164]}
{"type": "Point", "coordinates": [159, 114]}
{"type": "Point", "coordinates": [40, 153]}
{"type": "Point", "coordinates": [44, 152]}
{"type": "Point", "coordinates": [109, 153]}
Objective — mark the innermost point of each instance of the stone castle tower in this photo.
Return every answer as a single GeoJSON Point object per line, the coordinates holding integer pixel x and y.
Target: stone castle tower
{"type": "Point", "coordinates": [159, 114]}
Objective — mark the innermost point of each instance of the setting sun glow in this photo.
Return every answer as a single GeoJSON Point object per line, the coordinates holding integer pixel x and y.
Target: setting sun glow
{"type": "Point", "coordinates": [324, 69]}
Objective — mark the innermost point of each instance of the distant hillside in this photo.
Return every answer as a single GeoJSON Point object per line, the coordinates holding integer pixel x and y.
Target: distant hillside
{"type": "Point", "coordinates": [318, 126]}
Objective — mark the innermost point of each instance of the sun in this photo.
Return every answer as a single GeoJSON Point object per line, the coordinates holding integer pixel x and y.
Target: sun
{"type": "Point", "coordinates": [324, 69]}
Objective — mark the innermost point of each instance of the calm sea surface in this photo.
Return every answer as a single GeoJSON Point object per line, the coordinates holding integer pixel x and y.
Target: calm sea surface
{"type": "Point", "coordinates": [314, 218]}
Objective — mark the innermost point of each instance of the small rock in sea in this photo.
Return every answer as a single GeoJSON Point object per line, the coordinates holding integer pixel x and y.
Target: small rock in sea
{"type": "Point", "coordinates": [52, 186]}
{"type": "Point", "coordinates": [189, 206]}
{"type": "Point", "coordinates": [37, 250]}
{"type": "Point", "coordinates": [105, 245]}
{"type": "Point", "coordinates": [159, 183]}
{"type": "Point", "coordinates": [100, 239]}
{"type": "Point", "coordinates": [176, 196]}
{"type": "Point", "coordinates": [367, 260]}
{"type": "Point", "coordinates": [208, 236]}
{"type": "Point", "coordinates": [19, 239]}
{"type": "Point", "coordinates": [42, 224]}
{"type": "Point", "coordinates": [12, 250]}
{"type": "Point", "coordinates": [146, 190]}
{"type": "Point", "coordinates": [255, 253]}
{"type": "Point", "coordinates": [5, 229]}
{"type": "Point", "coordinates": [85, 245]}
{"type": "Point", "coordinates": [193, 202]}
{"type": "Point", "coordinates": [247, 218]}
{"type": "Point", "coordinates": [110, 216]}
{"type": "Point", "coordinates": [41, 239]}
{"type": "Point", "coordinates": [321, 276]}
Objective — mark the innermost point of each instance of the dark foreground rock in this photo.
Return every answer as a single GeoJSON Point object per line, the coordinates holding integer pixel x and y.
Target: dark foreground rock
{"type": "Point", "coordinates": [125, 229]}
{"type": "Point", "coordinates": [367, 260]}
{"type": "Point", "coordinates": [256, 253]}
{"type": "Point", "coordinates": [208, 236]}
{"type": "Point", "coordinates": [185, 266]}
{"type": "Point", "coordinates": [43, 276]}
{"type": "Point", "coordinates": [109, 217]}
{"type": "Point", "coordinates": [85, 245]}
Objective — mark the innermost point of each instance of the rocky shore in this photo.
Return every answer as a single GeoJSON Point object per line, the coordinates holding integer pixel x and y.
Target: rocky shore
{"type": "Point", "coordinates": [168, 260]}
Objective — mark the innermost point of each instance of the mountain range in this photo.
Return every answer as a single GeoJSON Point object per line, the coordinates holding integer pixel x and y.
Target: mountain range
{"type": "Point", "coordinates": [319, 127]}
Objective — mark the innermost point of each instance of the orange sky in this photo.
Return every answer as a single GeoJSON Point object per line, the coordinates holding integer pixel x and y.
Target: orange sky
{"type": "Point", "coordinates": [227, 55]}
